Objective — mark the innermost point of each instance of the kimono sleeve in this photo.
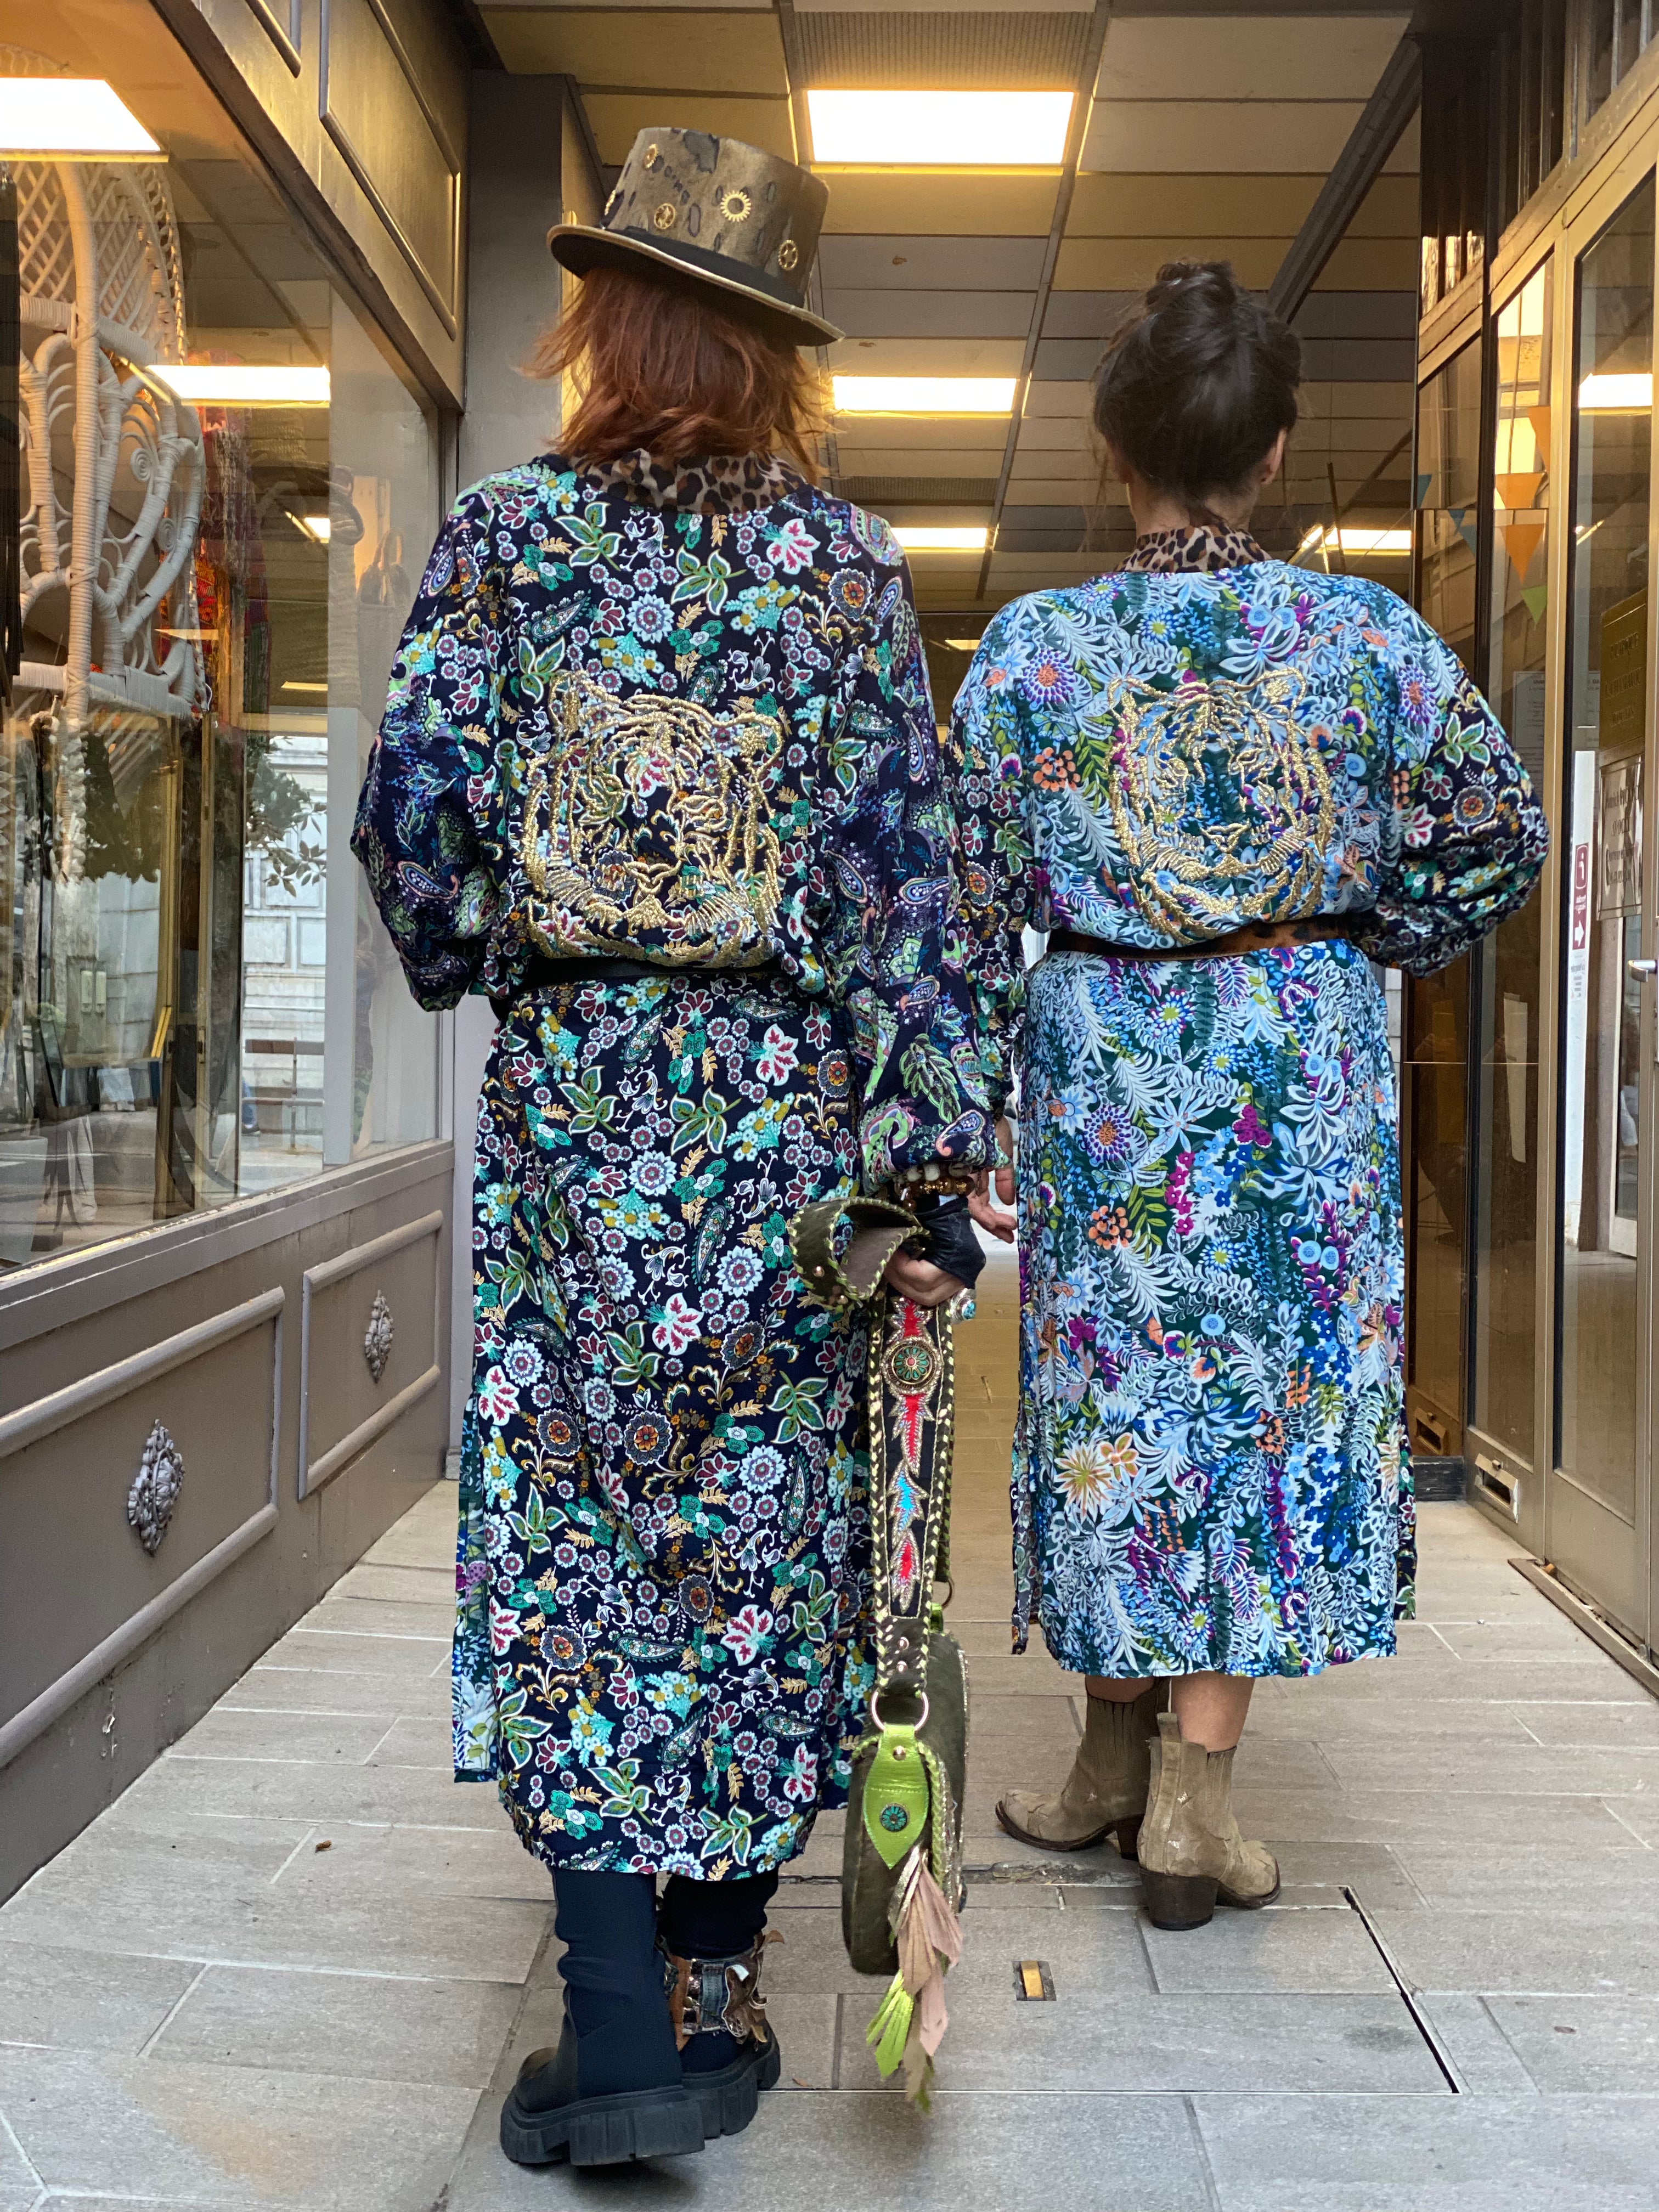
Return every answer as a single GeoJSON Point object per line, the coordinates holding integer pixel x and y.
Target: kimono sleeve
{"type": "Point", "coordinates": [1464, 834]}
{"type": "Point", "coordinates": [891, 929]}
{"type": "Point", "coordinates": [996, 862]}
{"type": "Point", "coordinates": [415, 832]}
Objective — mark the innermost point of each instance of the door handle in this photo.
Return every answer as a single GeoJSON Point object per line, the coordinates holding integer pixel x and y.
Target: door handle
{"type": "Point", "coordinates": [1642, 967]}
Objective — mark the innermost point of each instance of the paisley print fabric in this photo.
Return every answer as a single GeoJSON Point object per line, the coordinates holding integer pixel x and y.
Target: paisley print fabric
{"type": "Point", "coordinates": [665, 1539]}
{"type": "Point", "coordinates": [1211, 1469]}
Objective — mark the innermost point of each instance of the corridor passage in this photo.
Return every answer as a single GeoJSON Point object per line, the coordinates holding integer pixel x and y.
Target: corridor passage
{"type": "Point", "coordinates": [294, 1966]}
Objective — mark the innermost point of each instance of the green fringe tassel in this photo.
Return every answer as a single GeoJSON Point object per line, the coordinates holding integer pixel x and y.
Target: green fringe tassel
{"type": "Point", "coordinates": [891, 2029]}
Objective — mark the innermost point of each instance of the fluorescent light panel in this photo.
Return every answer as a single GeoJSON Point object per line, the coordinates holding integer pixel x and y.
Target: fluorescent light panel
{"type": "Point", "coordinates": [76, 118]}
{"type": "Point", "coordinates": [1358, 541]}
{"type": "Point", "coordinates": [1617, 395]}
{"type": "Point", "coordinates": [924, 395]}
{"type": "Point", "coordinates": [940, 130]}
{"type": "Point", "coordinates": [963, 644]}
{"type": "Point", "coordinates": [213, 383]}
{"type": "Point", "coordinates": [925, 539]}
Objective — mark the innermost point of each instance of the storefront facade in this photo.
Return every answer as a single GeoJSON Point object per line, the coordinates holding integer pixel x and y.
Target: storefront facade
{"type": "Point", "coordinates": [228, 1282]}
{"type": "Point", "coordinates": [1529, 1090]}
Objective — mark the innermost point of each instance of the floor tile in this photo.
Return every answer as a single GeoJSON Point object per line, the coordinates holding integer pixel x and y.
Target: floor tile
{"type": "Point", "coordinates": [404, 1583]}
{"type": "Point", "coordinates": [228, 2135]}
{"type": "Point", "coordinates": [233, 1730]}
{"type": "Point", "coordinates": [349, 2027]}
{"type": "Point", "coordinates": [287, 1686]}
{"type": "Point", "coordinates": [1284, 1948]}
{"type": "Point", "coordinates": [49, 1994]}
{"type": "Point", "coordinates": [1491, 1952]}
{"type": "Point", "coordinates": [1379, 2154]}
{"type": "Point", "coordinates": [1585, 2045]}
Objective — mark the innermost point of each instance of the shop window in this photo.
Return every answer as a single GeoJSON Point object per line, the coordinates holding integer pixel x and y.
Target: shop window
{"type": "Point", "coordinates": [1531, 78]}
{"type": "Point", "coordinates": [1613, 34]}
{"type": "Point", "coordinates": [1456, 118]}
{"type": "Point", "coordinates": [1504, 1288]}
{"type": "Point", "coordinates": [1606, 719]}
{"type": "Point", "coordinates": [196, 1000]}
{"type": "Point", "coordinates": [1434, 1092]}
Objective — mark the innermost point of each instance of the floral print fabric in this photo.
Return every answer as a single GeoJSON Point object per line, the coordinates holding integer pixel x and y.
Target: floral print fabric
{"type": "Point", "coordinates": [665, 1541]}
{"type": "Point", "coordinates": [681, 716]}
{"type": "Point", "coordinates": [624, 725]}
{"type": "Point", "coordinates": [1211, 1469]}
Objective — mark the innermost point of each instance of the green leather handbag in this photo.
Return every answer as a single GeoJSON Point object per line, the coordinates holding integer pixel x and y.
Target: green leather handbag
{"type": "Point", "coordinates": [902, 1885]}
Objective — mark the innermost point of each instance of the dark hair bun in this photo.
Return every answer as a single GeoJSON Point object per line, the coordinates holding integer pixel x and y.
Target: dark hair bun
{"type": "Point", "coordinates": [1197, 383]}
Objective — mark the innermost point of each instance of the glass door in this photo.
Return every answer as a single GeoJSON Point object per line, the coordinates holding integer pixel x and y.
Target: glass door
{"type": "Point", "coordinates": [1599, 1496]}
{"type": "Point", "coordinates": [1503, 1290]}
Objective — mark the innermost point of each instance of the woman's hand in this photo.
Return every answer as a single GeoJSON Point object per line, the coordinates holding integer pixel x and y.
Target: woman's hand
{"type": "Point", "coordinates": [1000, 1226]}
{"type": "Point", "coordinates": [921, 1282]}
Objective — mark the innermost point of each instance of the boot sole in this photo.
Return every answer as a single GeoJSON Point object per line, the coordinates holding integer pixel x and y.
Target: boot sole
{"type": "Point", "coordinates": [1175, 1902]}
{"type": "Point", "coordinates": [729, 2099]}
{"type": "Point", "coordinates": [1125, 1832]}
{"type": "Point", "coordinates": [604, 2130]}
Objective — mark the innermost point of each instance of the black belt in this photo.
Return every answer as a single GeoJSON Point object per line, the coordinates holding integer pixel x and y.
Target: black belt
{"type": "Point", "coordinates": [1253, 937]}
{"type": "Point", "coordinates": [549, 970]}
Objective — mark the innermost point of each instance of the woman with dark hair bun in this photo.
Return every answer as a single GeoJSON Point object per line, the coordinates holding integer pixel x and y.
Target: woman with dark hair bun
{"type": "Point", "coordinates": [659, 775]}
{"type": "Point", "coordinates": [1224, 786]}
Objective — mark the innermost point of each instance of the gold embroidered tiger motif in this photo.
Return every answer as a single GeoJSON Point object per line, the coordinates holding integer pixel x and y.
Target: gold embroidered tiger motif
{"type": "Point", "coordinates": [1220, 800]}
{"type": "Point", "coordinates": [647, 829]}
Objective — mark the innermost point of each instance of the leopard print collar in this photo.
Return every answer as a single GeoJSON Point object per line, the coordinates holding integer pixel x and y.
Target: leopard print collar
{"type": "Point", "coordinates": [1198, 547]}
{"type": "Point", "coordinates": [721, 484]}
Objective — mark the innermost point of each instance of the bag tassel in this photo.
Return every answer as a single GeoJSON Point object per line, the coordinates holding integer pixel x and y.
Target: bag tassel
{"type": "Point", "coordinates": [910, 2022]}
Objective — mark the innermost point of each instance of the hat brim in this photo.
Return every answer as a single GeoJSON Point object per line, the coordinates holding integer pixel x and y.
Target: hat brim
{"type": "Point", "coordinates": [578, 246]}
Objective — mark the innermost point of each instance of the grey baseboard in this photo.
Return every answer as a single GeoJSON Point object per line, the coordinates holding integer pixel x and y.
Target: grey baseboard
{"type": "Point", "coordinates": [1440, 1481]}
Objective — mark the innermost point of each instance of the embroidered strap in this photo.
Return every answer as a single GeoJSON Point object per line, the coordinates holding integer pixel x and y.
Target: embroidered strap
{"type": "Point", "coordinates": [714, 1997]}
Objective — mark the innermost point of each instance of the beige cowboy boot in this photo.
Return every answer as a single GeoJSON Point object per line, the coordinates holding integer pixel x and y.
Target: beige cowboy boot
{"type": "Point", "coordinates": [1192, 1855]}
{"type": "Point", "coordinates": [1106, 1789]}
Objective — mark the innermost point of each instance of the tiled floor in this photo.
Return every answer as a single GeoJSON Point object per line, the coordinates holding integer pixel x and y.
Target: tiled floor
{"type": "Point", "coordinates": [294, 1966]}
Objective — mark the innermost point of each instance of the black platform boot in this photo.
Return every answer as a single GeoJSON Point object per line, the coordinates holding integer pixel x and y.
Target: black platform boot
{"type": "Point", "coordinates": [612, 2090]}
{"type": "Point", "coordinates": [713, 1940]}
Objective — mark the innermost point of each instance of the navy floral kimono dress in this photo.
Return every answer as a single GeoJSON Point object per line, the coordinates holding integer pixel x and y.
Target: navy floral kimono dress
{"type": "Point", "coordinates": [1210, 1470]}
{"type": "Point", "coordinates": [680, 717]}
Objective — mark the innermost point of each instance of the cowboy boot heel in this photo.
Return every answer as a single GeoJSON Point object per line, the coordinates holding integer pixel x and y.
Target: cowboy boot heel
{"type": "Point", "coordinates": [1126, 1836]}
{"type": "Point", "coordinates": [1178, 1901]}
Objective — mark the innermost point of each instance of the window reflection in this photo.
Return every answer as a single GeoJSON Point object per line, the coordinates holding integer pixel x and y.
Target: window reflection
{"type": "Point", "coordinates": [1505, 1285]}
{"type": "Point", "coordinates": [207, 640]}
{"type": "Point", "coordinates": [1435, 1098]}
{"type": "Point", "coordinates": [1607, 630]}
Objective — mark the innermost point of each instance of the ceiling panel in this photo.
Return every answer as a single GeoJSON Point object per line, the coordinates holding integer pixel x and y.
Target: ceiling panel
{"type": "Point", "coordinates": [618, 117]}
{"type": "Point", "coordinates": [909, 264]}
{"type": "Point", "coordinates": [945, 445]}
{"type": "Point", "coordinates": [1368, 265]}
{"type": "Point", "coordinates": [686, 49]}
{"type": "Point", "coordinates": [928, 356]}
{"type": "Point", "coordinates": [1129, 264]}
{"type": "Point", "coordinates": [1259, 205]}
{"type": "Point", "coordinates": [1230, 56]}
{"type": "Point", "coordinates": [1008, 50]}
{"type": "Point", "coordinates": [889, 315]}
{"type": "Point", "coordinates": [1183, 136]}
{"type": "Point", "coordinates": [933, 203]}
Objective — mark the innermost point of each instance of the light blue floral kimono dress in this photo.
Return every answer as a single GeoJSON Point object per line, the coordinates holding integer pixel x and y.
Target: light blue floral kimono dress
{"type": "Point", "coordinates": [1212, 1469]}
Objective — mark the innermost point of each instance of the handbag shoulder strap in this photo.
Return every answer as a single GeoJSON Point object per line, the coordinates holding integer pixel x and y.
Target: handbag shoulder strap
{"type": "Point", "coordinates": [912, 1382]}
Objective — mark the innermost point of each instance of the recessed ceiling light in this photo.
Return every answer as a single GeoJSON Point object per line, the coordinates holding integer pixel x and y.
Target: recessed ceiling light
{"type": "Point", "coordinates": [80, 118]}
{"type": "Point", "coordinates": [924, 395]}
{"type": "Point", "coordinates": [963, 644]}
{"type": "Point", "coordinates": [926, 539]}
{"type": "Point", "coordinates": [1358, 541]}
{"type": "Point", "coordinates": [191, 637]}
{"type": "Point", "coordinates": [291, 686]}
{"type": "Point", "coordinates": [314, 526]}
{"type": "Point", "coordinates": [1617, 395]}
{"type": "Point", "coordinates": [940, 130]}
{"type": "Point", "coordinates": [214, 384]}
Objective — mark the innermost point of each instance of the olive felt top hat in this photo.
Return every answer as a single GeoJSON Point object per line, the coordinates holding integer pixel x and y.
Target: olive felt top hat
{"type": "Point", "coordinates": [717, 213]}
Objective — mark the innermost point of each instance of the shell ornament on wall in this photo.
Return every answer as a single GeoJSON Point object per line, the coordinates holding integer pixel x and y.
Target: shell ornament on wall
{"type": "Point", "coordinates": [155, 1488]}
{"type": "Point", "coordinates": [377, 1344]}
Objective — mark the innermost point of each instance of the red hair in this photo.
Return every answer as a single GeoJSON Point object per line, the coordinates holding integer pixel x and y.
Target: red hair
{"type": "Point", "coordinates": [668, 367]}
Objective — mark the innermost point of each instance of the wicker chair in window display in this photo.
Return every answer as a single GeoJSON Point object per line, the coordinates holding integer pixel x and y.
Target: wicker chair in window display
{"type": "Point", "coordinates": [110, 492]}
